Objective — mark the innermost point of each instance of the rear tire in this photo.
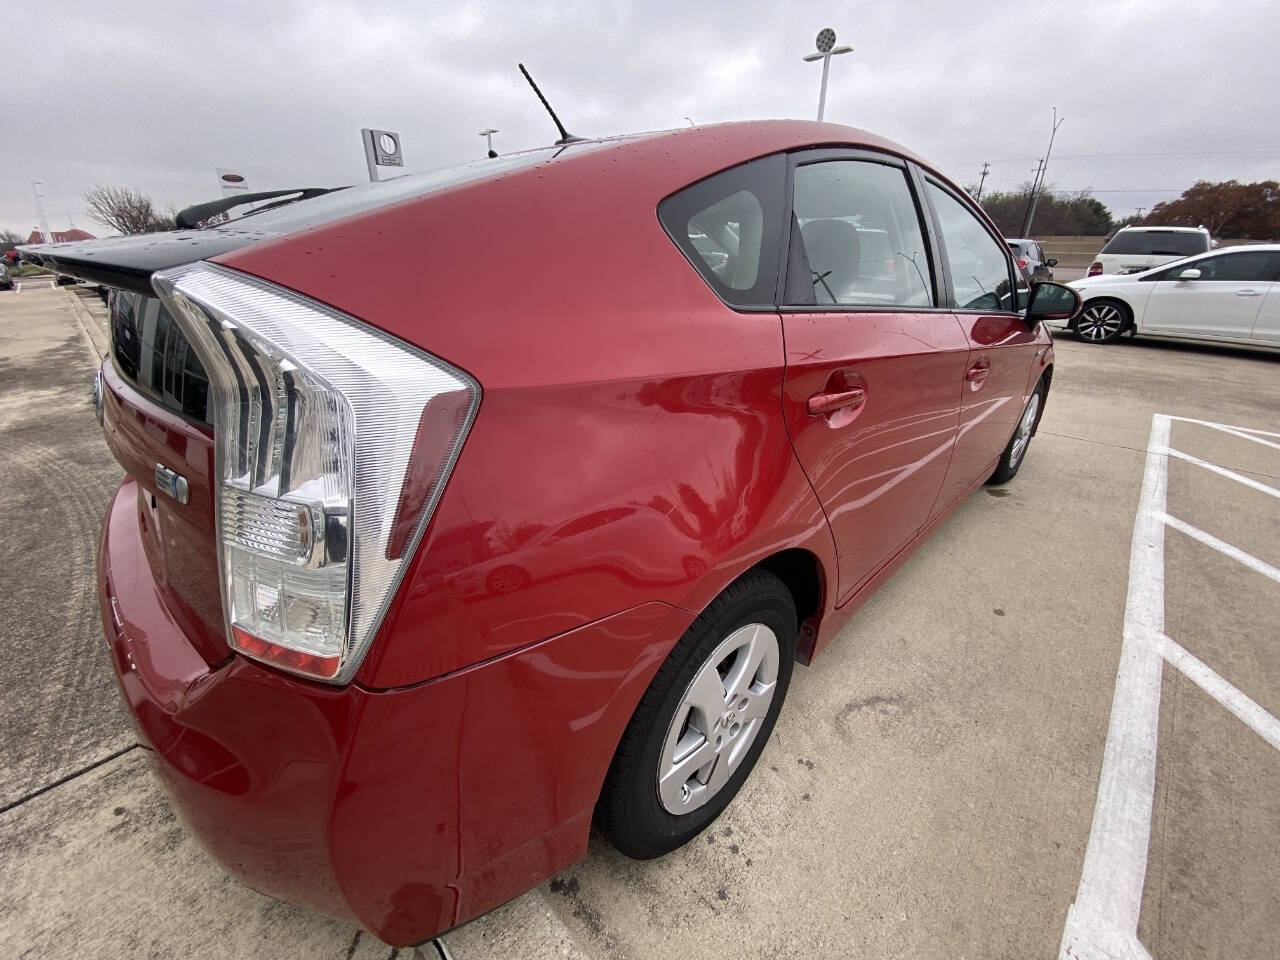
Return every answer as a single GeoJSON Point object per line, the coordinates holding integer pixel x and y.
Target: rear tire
{"type": "Point", "coordinates": [701, 726]}
{"type": "Point", "coordinates": [1015, 450]}
{"type": "Point", "coordinates": [1102, 321]}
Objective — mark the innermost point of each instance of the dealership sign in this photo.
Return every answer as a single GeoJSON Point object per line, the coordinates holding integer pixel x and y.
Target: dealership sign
{"type": "Point", "coordinates": [381, 149]}
{"type": "Point", "coordinates": [231, 182]}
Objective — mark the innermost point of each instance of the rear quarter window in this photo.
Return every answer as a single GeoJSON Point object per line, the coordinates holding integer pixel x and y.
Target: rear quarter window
{"type": "Point", "coordinates": [728, 227]}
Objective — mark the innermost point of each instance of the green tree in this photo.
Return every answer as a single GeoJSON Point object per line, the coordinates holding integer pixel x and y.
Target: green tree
{"type": "Point", "coordinates": [1072, 214]}
{"type": "Point", "coordinates": [1243, 211]}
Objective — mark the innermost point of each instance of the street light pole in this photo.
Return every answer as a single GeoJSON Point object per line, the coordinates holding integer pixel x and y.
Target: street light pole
{"type": "Point", "coordinates": [488, 133]}
{"type": "Point", "coordinates": [44, 221]}
{"type": "Point", "coordinates": [826, 44]}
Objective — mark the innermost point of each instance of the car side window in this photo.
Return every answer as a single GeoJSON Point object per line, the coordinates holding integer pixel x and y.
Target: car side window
{"type": "Point", "coordinates": [856, 238]}
{"type": "Point", "coordinates": [729, 228]}
{"type": "Point", "coordinates": [979, 264]}
{"type": "Point", "coordinates": [1253, 266]}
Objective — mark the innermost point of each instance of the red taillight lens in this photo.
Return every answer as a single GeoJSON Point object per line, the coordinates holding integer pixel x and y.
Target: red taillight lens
{"type": "Point", "coordinates": [1095, 268]}
{"type": "Point", "coordinates": [1022, 262]}
{"type": "Point", "coordinates": [332, 445]}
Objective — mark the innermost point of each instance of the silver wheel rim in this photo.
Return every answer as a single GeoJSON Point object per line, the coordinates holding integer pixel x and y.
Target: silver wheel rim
{"type": "Point", "coordinates": [1100, 322]}
{"type": "Point", "coordinates": [719, 717]}
{"type": "Point", "coordinates": [1022, 437]}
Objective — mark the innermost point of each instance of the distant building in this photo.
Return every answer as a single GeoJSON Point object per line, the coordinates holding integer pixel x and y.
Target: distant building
{"type": "Point", "coordinates": [62, 236]}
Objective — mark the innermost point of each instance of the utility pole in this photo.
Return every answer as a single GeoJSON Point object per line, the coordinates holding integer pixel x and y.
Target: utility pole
{"type": "Point", "coordinates": [1137, 217]}
{"type": "Point", "coordinates": [826, 44]}
{"type": "Point", "coordinates": [983, 179]}
{"type": "Point", "coordinates": [1035, 185]}
{"type": "Point", "coordinates": [1044, 168]}
{"type": "Point", "coordinates": [44, 221]}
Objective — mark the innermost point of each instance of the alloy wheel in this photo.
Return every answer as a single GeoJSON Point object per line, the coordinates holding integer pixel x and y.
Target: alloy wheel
{"type": "Point", "coordinates": [721, 713]}
{"type": "Point", "coordinates": [1022, 438]}
{"type": "Point", "coordinates": [1100, 322]}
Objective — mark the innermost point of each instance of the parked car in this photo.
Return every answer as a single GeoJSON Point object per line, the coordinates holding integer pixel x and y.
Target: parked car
{"type": "Point", "coordinates": [424, 561]}
{"type": "Point", "coordinates": [1230, 295]}
{"type": "Point", "coordinates": [1136, 249]}
{"type": "Point", "coordinates": [1031, 258]}
{"type": "Point", "coordinates": [6, 278]}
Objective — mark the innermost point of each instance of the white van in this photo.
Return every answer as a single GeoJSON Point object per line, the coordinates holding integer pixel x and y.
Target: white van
{"type": "Point", "coordinates": [1134, 249]}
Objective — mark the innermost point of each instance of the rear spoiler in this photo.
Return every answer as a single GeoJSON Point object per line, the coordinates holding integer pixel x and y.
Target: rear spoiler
{"type": "Point", "coordinates": [129, 262]}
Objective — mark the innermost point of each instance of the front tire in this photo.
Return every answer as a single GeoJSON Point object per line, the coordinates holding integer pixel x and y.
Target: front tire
{"type": "Point", "coordinates": [1102, 321]}
{"type": "Point", "coordinates": [702, 724]}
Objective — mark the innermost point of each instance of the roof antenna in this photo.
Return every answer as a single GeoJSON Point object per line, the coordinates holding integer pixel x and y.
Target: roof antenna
{"type": "Point", "coordinates": [565, 135]}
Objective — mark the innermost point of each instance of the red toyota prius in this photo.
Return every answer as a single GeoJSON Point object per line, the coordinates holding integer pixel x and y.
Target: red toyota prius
{"type": "Point", "coordinates": [469, 508]}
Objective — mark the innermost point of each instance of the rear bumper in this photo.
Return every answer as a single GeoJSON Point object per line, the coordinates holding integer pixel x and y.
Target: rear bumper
{"type": "Point", "coordinates": [406, 811]}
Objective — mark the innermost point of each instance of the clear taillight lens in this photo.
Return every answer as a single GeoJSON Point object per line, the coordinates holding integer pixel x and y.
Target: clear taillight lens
{"type": "Point", "coordinates": [332, 444]}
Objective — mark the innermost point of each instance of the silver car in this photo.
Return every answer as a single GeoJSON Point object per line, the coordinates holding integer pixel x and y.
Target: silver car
{"type": "Point", "coordinates": [1031, 258]}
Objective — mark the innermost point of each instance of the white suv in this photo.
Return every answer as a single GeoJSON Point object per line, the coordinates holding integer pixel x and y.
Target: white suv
{"type": "Point", "coordinates": [1134, 249]}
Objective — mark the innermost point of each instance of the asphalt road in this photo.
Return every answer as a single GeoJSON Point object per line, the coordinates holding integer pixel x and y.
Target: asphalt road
{"type": "Point", "coordinates": [933, 782]}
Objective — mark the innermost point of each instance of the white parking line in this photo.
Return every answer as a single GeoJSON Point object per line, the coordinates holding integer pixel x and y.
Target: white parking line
{"type": "Point", "coordinates": [1235, 553]}
{"type": "Point", "coordinates": [1102, 923]}
{"type": "Point", "coordinates": [1242, 433]}
{"type": "Point", "coordinates": [1228, 427]}
{"type": "Point", "coordinates": [1224, 472]}
{"type": "Point", "coordinates": [1254, 717]}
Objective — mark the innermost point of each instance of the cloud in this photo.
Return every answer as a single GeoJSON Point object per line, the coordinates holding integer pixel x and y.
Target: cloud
{"type": "Point", "coordinates": [156, 95]}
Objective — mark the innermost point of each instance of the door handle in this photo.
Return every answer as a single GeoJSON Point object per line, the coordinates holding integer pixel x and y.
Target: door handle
{"type": "Point", "coordinates": [821, 404]}
{"type": "Point", "coordinates": [1248, 293]}
{"type": "Point", "coordinates": [976, 375]}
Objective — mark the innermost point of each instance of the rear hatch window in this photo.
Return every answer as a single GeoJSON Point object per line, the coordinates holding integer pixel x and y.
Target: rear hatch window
{"type": "Point", "coordinates": [1157, 243]}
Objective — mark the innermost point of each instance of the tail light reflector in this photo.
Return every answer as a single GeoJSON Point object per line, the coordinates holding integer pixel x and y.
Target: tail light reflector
{"type": "Point", "coordinates": [332, 445]}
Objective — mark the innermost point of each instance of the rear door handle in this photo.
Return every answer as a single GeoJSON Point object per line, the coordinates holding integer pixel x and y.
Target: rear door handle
{"type": "Point", "coordinates": [1248, 293]}
{"type": "Point", "coordinates": [821, 404]}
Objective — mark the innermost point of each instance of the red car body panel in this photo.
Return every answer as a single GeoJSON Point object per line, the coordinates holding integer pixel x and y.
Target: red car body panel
{"type": "Point", "coordinates": [639, 445]}
{"type": "Point", "coordinates": [406, 811]}
{"type": "Point", "coordinates": [876, 469]}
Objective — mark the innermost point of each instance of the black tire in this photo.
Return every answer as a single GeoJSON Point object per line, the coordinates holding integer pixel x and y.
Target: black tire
{"type": "Point", "coordinates": [1103, 320]}
{"type": "Point", "coordinates": [630, 812]}
{"type": "Point", "coordinates": [1014, 454]}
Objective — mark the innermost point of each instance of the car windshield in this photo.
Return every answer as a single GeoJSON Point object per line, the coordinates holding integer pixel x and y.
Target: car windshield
{"type": "Point", "coordinates": [1156, 243]}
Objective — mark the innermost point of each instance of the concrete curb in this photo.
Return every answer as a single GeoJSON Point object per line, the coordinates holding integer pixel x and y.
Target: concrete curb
{"type": "Point", "coordinates": [94, 329]}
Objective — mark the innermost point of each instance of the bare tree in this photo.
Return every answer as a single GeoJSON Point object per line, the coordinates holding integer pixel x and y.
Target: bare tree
{"type": "Point", "coordinates": [125, 210]}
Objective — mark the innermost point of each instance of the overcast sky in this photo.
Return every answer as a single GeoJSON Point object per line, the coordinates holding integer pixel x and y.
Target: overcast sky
{"type": "Point", "coordinates": [156, 95]}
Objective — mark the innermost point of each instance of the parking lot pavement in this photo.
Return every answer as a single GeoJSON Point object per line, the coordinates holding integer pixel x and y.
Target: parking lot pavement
{"type": "Point", "coordinates": [932, 783]}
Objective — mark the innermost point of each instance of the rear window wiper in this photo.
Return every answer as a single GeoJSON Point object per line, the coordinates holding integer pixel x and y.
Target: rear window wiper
{"type": "Point", "coordinates": [196, 214]}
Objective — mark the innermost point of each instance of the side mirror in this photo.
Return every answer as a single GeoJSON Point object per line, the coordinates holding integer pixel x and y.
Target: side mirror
{"type": "Point", "coordinates": [1191, 273]}
{"type": "Point", "coordinates": [1051, 262]}
{"type": "Point", "coordinates": [1052, 301]}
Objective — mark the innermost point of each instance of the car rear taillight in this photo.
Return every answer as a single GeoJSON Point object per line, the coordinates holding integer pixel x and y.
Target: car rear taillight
{"type": "Point", "coordinates": [1095, 268]}
{"type": "Point", "coordinates": [332, 445]}
{"type": "Point", "coordinates": [1022, 262]}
